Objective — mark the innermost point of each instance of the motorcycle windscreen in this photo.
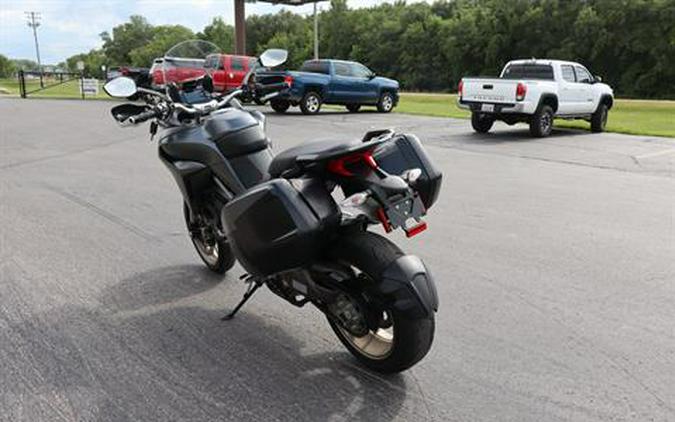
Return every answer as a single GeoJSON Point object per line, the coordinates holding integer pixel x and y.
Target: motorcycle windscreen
{"type": "Point", "coordinates": [185, 63]}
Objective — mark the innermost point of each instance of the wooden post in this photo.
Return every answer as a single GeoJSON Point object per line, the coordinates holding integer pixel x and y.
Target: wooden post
{"type": "Point", "coordinates": [239, 27]}
{"type": "Point", "coordinates": [22, 84]}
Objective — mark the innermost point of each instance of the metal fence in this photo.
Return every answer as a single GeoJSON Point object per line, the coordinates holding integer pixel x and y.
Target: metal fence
{"type": "Point", "coordinates": [50, 80]}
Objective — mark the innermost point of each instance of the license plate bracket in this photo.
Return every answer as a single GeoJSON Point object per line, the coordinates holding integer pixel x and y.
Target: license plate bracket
{"type": "Point", "coordinates": [488, 108]}
{"type": "Point", "coordinates": [405, 213]}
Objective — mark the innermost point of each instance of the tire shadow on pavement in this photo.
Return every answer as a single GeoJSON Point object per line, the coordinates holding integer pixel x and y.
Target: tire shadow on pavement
{"type": "Point", "coordinates": [161, 286]}
{"type": "Point", "coordinates": [181, 363]}
{"type": "Point", "coordinates": [516, 135]}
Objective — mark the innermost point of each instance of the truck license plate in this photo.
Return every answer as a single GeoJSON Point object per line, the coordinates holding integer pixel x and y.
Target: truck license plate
{"type": "Point", "coordinates": [487, 107]}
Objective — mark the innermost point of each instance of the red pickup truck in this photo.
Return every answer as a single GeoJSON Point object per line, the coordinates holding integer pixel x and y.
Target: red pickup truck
{"type": "Point", "coordinates": [175, 70]}
{"type": "Point", "coordinates": [228, 71]}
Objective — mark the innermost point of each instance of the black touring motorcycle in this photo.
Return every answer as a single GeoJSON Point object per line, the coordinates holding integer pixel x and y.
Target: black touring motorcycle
{"type": "Point", "coordinates": [278, 214]}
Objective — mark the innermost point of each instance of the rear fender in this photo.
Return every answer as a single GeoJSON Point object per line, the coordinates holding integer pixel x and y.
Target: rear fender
{"type": "Point", "coordinates": [550, 100]}
{"type": "Point", "coordinates": [408, 287]}
{"type": "Point", "coordinates": [320, 89]}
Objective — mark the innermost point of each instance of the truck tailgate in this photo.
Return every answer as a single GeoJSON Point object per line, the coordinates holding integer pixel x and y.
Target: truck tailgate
{"type": "Point", "coordinates": [496, 91]}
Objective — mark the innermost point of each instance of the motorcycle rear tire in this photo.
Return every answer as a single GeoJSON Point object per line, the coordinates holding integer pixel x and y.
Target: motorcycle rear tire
{"type": "Point", "coordinates": [412, 337]}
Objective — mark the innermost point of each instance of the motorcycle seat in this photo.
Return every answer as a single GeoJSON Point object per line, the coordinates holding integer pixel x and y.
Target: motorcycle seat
{"type": "Point", "coordinates": [286, 159]}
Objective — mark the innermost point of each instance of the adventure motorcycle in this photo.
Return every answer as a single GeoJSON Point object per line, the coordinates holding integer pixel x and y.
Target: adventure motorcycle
{"type": "Point", "coordinates": [278, 215]}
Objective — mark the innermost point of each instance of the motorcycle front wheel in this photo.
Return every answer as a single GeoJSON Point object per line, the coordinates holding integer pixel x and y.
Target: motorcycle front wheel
{"type": "Point", "coordinates": [216, 253]}
{"type": "Point", "coordinates": [400, 340]}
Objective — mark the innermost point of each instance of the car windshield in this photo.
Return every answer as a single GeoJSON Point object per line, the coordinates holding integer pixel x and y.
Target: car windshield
{"type": "Point", "coordinates": [528, 71]}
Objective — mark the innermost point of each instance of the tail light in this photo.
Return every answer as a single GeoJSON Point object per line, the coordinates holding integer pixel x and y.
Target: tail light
{"type": "Point", "coordinates": [521, 90]}
{"type": "Point", "coordinates": [460, 88]}
{"type": "Point", "coordinates": [339, 165]}
{"type": "Point", "coordinates": [288, 80]}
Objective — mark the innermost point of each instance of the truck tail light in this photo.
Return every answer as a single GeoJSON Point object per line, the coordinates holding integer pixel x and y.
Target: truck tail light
{"type": "Point", "coordinates": [288, 80]}
{"type": "Point", "coordinates": [521, 90]}
{"type": "Point", "coordinates": [460, 88]}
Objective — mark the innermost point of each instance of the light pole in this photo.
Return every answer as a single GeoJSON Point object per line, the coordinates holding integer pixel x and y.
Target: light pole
{"type": "Point", "coordinates": [34, 22]}
{"type": "Point", "coordinates": [240, 21]}
{"type": "Point", "coordinates": [316, 33]}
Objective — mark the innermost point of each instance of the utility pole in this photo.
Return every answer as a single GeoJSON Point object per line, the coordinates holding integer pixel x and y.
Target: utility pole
{"type": "Point", "coordinates": [239, 27]}
{"type": "Point", "coordinates": [33, 22]}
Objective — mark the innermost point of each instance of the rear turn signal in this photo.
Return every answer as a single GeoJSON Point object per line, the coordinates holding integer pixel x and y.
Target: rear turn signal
{"type": "Point", "coordinates": [460, 88]}
{"type": "Point", "coordinates": [521, 90]}
{"type": "Point", "coordinates": [288, 80]}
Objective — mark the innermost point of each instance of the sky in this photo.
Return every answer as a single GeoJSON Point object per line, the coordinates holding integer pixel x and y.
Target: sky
{"type": "Point", "coordinates": [69, 27]}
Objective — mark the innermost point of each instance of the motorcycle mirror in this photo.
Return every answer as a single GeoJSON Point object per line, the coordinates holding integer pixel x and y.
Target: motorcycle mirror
{"type": "Point", "coordinates": [121, 87]}
{"type": "Point", "coordinates": [273, 57]}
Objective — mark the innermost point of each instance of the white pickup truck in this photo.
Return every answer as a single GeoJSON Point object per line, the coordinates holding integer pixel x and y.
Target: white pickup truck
{"type": "Point", "coordinates": [536, 92]}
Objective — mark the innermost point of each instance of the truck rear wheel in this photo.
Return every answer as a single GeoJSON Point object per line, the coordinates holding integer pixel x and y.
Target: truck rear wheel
{"type": "Point", "coordinates": [386, 102]}
{"type": "Point", "coordinates": [280, 106]}
{"type": "Point", "coordinates": [599, 119]}
{"type": "Point", "coordinates": [541, 122]}
{"type": "Point", "coordinates": [481, 123]}
{"type": "Point", "coordinates": [311, 103]}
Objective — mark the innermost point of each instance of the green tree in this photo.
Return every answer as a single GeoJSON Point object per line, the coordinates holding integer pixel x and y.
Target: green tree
{"type": "Point", "coordinates": [336, 29]}
{"type": "Point", "coordinates": [630, 43]}
{"type": "Point", "coordinates": [92, 60]}
{"type": "Point", "coordinates": [125, 38]}
{"type": "Point", "coordinates": [7, 67]}
{"type": "Point", "coordinates": [23, 64]}
{"type": "Point", "coordinates": [219, 33]}
{"type": "Point", "coordinates": [281, 30]}
{"type": "Point", "coordinates": [163, 38]}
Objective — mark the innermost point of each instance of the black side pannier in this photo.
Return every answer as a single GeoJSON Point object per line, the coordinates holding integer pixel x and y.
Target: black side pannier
{"type": "Point", "coordinates": [406, 152]}
{"type": "Point", "coordinates": [280, 224]}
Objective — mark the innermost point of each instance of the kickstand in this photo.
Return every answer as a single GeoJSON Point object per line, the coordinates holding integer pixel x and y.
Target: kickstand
{"type": "Point", "coordinates": [252, 287]}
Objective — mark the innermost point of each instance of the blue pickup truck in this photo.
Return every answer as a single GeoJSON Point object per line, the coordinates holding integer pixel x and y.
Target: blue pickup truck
{"type": "Point", "coordinates": [339, 82]}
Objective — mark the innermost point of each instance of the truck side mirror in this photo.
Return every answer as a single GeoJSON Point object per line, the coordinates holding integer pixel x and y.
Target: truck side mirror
{"type": "Point", "coordinates": [598, 78]}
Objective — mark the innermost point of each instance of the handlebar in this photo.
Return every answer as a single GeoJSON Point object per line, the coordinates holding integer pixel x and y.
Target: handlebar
{"type": "Point", "coordinates": [196, 110]}
{"type": "Point", "coordinates": [146, 115]}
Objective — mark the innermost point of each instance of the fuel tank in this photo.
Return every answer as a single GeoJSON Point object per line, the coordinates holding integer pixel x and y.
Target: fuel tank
{"type": "Point", "coordinates": [231, 133]}
{"type": "Point", "coordinates": [232, 143]}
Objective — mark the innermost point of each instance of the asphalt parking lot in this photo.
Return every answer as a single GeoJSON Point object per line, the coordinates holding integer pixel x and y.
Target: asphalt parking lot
{"type": "Point", "coordinates": [554, 260]}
